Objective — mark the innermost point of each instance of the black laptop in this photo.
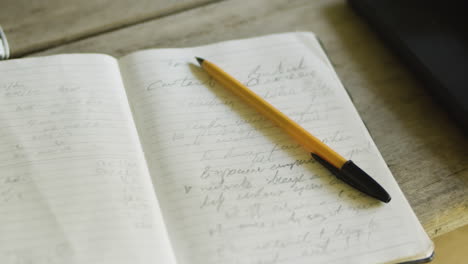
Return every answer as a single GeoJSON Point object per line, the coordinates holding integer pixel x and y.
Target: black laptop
{"type": "Point", "coordinates": [432, 38]}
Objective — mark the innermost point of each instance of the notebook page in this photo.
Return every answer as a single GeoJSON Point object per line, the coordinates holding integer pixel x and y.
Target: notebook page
{"type": "Point", "coordinates": [233, 187]}
{"type": "Point", "coordinates": [74, 186]}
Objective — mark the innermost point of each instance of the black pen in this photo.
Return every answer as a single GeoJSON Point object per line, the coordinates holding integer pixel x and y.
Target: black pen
{"type": "Point", "coordinates": [343, 169]}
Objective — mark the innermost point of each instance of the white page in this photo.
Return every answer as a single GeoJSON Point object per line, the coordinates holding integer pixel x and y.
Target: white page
{"type": "Point", "coordinates": [233, 187]}
{"type": "Point", "coordinates": [74, 186]}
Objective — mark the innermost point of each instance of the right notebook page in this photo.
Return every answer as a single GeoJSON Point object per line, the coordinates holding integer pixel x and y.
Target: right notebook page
{"type": "Point", "coordinates": [236, 189]}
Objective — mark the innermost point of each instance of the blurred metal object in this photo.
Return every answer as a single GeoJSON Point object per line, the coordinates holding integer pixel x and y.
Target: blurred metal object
{"type": "Point", "coordinates": [4, 48]}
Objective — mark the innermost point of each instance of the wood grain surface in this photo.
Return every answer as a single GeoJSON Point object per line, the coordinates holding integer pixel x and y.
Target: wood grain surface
{"type": "Point", "coordinates": [426, 152]}
{"type": "Point", "coordinates": [451, 247]}
{"type": "Point", "coordinates": [35, 25]}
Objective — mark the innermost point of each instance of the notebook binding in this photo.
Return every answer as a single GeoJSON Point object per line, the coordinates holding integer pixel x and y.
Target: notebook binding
{"type": "Point", "coordinates": [4, 48]}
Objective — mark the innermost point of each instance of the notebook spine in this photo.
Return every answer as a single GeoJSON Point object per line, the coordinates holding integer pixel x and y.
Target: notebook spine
{"type": "Point", "coordinates": [4, 48]}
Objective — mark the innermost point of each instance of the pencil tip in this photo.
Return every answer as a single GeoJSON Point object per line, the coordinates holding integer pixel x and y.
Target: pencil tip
{"type": "Point", "coordinates": [200, 60]}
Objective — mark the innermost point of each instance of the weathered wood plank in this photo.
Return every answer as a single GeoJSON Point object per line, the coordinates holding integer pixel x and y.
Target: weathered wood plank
{"type": "Point", "coordinates": [426, 152]}
{"type": "Point", "coordinates": [35, 25]}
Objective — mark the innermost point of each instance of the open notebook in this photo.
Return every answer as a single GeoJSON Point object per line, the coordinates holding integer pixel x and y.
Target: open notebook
{"type": "Point", "coordinates": [146, 160]}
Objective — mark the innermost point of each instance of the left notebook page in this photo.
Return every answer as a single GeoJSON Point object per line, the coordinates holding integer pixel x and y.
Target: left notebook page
{"type": "Point", "coordinates": [74, 185]}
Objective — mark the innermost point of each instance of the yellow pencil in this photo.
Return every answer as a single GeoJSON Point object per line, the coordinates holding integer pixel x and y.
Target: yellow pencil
{"type": "Point", "coordinates": [344, 169]}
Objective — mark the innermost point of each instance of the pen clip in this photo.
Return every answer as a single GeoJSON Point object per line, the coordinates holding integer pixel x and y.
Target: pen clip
{"type": "Point", "coordinates": [335, 171]}
{"type": "Point", "coordinates": [356, 177]}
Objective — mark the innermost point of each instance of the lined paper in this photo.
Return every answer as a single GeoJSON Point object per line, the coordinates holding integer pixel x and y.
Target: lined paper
{"type": "Point", "coordinates": [233, 187]}
{"type": "Point", "coordinates": [74, 186]}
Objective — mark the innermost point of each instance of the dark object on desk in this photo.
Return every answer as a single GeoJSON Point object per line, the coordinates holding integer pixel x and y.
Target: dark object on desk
{"type": "Point", "coordinates": [432, 37]}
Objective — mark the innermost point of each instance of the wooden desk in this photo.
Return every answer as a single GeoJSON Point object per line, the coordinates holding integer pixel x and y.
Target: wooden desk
{"type": "Point", "coordinates": [426, 152]}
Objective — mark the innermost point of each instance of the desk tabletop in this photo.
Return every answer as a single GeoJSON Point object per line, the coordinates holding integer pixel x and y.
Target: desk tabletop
{"type": "Point", "coordinates": [426, 152]}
